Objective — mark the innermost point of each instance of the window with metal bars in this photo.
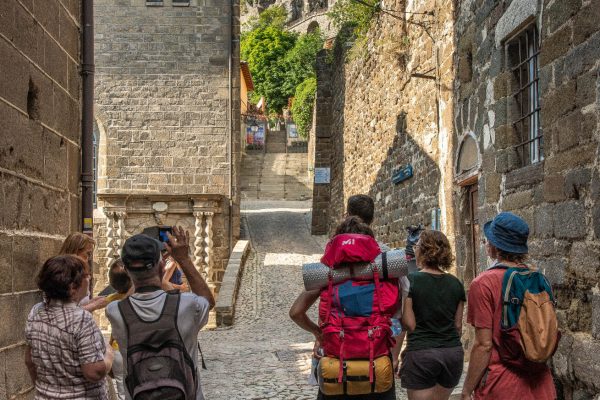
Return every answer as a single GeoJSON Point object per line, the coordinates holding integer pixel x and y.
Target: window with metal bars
{"type": "Point", "coordinates": [154, 2]}
{"type": "Point", "coordinates": [522, 57]}
{"type": "Point", "coordinates": [181, 3]}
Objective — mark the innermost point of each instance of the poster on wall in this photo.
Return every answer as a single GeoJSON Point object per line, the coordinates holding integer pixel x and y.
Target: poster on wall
{"type": "Point", "coordinates": [259, 136]}
{"type": "Point", "coordinates": [292, 131]}
{"type": "Point", "coordinates": [249, 135]}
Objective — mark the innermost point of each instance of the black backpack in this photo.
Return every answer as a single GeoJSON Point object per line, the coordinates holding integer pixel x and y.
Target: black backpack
{"type": "Point", "coordinates": [158, 364]}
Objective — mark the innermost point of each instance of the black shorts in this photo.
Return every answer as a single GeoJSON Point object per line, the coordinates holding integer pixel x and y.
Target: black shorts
{"type": "Point", "coordinates": [423, 369]}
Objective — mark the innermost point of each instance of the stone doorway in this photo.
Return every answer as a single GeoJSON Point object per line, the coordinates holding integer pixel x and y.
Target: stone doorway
{"type": "Point", "coordinates": [473, 230]}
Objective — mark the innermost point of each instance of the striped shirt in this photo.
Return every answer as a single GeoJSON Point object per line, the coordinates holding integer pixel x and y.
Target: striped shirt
{"type": "Point", "coordinates": [62, 337]}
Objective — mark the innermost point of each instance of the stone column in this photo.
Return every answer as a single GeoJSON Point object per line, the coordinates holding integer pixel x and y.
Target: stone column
{"type": "Point", "coordinates": [198, 248]}
{"type": "Point", "coordinates": [208, 249]}
{"type": "Point", "coordinates": [120, 233]}
{"type": "Point", "coordinates": [111, 217]}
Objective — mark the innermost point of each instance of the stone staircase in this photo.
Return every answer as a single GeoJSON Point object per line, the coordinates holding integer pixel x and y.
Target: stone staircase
{"type": "Point", "coordinates": [275, 176]}
{"type": "Point", "coordinates": [276, 141]}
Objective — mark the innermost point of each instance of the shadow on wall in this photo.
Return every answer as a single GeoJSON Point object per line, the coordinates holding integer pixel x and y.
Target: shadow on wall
{"type": "Point", "coordinates": [412, 201]}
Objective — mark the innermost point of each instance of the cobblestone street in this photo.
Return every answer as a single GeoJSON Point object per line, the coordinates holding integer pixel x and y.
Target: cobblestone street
{"type": "Point", "coordinates": [265, 355]}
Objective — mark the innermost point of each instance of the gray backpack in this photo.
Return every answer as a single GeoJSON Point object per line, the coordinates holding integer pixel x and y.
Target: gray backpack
{"type": "Point", "coordinates": [158, 364]}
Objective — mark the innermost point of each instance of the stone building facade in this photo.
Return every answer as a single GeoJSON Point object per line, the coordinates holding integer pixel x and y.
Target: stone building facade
{"type": "Point", "coordinates": [527, 107]}
{"type": "Point", "coordinates": [385, 108]}
{"type": "Point", "coordinates": [40, 110]}
{"type": "Point", "coordinates": [167, 113]}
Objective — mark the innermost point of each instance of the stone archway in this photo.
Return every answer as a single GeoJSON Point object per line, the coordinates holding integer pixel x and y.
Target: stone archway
{"type": "Point", "coordinates": [312, 27]}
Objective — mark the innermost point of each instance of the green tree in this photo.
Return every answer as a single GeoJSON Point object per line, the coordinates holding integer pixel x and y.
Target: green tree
{"type": "Point", "coordinates": [272, 16]}
{"type": "Point", "coordinates": [302, 108]}
{"type": "Point", "coordinates": [264, 48]}
{"type": "Point", "coordinates": [300, 61]}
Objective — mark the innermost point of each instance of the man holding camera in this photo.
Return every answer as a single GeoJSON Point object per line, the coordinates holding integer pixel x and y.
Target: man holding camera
{"type": "Point", "coordinates": [158, 330]}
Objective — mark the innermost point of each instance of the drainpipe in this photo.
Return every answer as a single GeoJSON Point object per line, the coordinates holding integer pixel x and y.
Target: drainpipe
{"type": "Point", "coordinates": [230, 122]}
{"type": "Point", "coordinates": [87, 121]}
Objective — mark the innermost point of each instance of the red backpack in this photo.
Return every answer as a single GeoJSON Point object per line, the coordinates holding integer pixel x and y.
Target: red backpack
{"type": "Point", "coordinates": [355, 315]}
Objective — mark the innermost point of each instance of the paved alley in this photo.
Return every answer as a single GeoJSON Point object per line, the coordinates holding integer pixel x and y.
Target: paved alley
{"type": "Point", "coordinates": [265, 355]}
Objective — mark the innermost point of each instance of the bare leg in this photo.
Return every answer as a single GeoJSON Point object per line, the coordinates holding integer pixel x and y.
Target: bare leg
{"type": "Point", "coordinates": [424, 394]}
{"type": "Point", "coordinates": [441, 393]}
{"type": "Point", "coordinates": [435, 393]}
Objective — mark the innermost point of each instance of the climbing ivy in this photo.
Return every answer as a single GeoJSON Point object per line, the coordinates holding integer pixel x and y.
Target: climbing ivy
{"type": "Point", "coordinates": [302, 108]}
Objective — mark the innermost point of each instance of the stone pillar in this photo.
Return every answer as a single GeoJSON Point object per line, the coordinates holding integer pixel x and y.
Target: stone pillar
{"type": "Point", "coordinates": [111, 217]}
{"type": "Point", "coordinates": [120, 233]}
{"type": "Point", "coordinates": [198, 258]}
{"type": "Point", "coordinates": [208, 249]}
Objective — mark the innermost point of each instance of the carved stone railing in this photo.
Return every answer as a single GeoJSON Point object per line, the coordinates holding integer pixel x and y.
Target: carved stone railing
{"type": "Point", "coordinates": [129, 214]}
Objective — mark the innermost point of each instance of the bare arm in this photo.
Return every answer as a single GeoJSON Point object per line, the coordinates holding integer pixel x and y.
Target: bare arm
{"type": "Point", "coordinates": [30, 365]}
{"type": "Point", "coordinates": [408, 316]}
{"type": "Point", "coordinates": [96, 303]}
{"type": "Point", "coordinates": [178, 246]}
{"type": "Point", "coordinates": [458, 317]}
{"type": "Point", "coordinates": [169, 269]}
{"type": "Point", "coordinates": [95, 372]}
{"type": "Point", "coordinates": [298, 312]}
{"type": "Point", "coordinates": [480, 358]}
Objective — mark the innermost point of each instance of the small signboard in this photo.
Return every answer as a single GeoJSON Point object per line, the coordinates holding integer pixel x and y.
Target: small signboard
{"type": "Point", "coordinates": [322, 175]}
{"type": "Point", "coordinates": [402, 174]}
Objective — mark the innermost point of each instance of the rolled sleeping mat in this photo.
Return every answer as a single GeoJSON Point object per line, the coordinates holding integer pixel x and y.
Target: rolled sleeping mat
{"type": "Point", "coordinates": [316, 275]}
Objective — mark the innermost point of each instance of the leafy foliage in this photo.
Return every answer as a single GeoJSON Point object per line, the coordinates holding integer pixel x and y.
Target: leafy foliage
{"type": "Point", "coordinates": [279, 60]}
{"type": "Point", "coordinates": [349, 13]}
{"type": "Point", "coordinates": [300, 61]}
{"type": "Point", "coordinates": [264, 48]}
{"type": "Point", "coordinates": [302, 109]}
{"type": "Point", "coordinates": [272, 16]}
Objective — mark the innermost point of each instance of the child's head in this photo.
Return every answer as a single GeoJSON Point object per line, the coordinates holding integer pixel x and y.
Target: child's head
{"type": "Point", "coordinates": [118, 277]}
{"type": "Point", "coordinates": [353, 224]}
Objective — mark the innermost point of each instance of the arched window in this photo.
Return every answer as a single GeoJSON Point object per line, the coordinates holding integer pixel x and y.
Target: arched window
{"type": "Point", "coordinates": [468, 160]}
{"type": "Point", "coordinates": [313, 26]}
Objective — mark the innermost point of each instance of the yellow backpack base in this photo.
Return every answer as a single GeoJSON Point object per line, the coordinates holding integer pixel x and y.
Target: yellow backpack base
{"type": "Point", "coordinates": [355, 379]}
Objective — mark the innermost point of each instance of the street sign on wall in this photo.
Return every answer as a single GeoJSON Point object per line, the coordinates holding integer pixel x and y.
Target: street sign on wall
{"type": "Point", "coordinates": [322, 175]}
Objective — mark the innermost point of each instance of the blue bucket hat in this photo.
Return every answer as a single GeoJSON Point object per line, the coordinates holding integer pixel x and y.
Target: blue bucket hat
{"type": "Point", "coordinates": [508, 232]}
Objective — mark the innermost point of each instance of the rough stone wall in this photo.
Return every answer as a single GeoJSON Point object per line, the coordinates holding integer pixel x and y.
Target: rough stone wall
{"type": "Point", "coordinates": [162, 105]}
{"type": "Point", "coordinates": [40, 95]}
{"type": "Point", "coordinates": [560, 196]}
{"type": "Point", "coordinates": [383, 117]}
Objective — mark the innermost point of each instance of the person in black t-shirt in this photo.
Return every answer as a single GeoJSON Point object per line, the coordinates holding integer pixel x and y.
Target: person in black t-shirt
{"type": "Point", "coordinates": [433, 361]}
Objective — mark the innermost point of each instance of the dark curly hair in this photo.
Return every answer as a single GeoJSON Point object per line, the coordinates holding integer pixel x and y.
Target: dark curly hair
{"type": "Point", "coordinates": [434, 250]}
{"type": "Point", "coordinates": [59, 274]}
{"type": "Point", "coordinates": [354, 224]}
{"type": "Point", "coordinates": [118, 277]}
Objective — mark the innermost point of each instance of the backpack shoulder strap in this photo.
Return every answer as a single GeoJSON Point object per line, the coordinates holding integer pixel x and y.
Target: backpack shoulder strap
{"type": "Point", "coordinates": [128, 314]}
